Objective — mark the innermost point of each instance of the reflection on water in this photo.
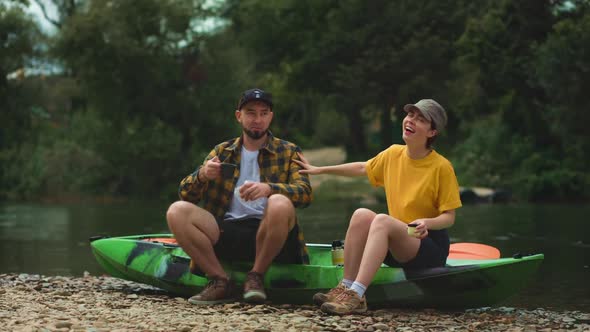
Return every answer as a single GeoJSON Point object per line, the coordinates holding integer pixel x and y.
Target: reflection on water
{"type": "Point", "coordinates": [53, 239]}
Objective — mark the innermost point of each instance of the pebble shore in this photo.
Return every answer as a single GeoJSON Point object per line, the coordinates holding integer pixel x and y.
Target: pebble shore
{"type": "Point", "coordinates": [101, 304]}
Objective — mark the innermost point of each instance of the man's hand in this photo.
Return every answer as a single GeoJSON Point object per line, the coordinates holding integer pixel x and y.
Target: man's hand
{"type": "Point", "coordinates": [211, 170]}
{"type": "Point", "coordinates": [307, 167]}
{"type": "Point", "coordinates": [251, 191]}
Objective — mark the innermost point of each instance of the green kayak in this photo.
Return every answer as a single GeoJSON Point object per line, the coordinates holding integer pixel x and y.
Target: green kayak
{"type": "Point", "coordinates": [464, 283]}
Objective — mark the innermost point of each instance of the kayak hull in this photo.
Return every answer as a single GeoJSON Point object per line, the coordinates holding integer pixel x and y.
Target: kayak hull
{"type": "Point", "coordinates": [463, 283]}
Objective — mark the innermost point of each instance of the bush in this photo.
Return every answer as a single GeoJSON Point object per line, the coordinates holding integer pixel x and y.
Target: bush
{"type": "Point", "coordinates": [91, 156]}
{"type": "Point", "coordinates": [331, 128]}
{"type": "Point", "coordinates": [493, 156]}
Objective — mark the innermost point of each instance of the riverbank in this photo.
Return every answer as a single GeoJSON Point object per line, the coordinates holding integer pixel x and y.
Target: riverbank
{"type": "Point", "coordinates": [101, 304]}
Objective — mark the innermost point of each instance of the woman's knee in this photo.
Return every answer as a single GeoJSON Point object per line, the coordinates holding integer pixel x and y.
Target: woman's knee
{"type": "Point", "coordinates": [362, 218]}
{"type": "Point", "coordinates": [387, 224]}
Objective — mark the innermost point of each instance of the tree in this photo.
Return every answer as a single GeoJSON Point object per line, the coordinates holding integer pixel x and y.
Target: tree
{"type": "Point", "coordinates": [392, 54]}
{"type": "Point", "coordinates": [64, 8]}
{"type": "Point", "coordinates": [562, 71]}
{"type": "Point", "coordinates": [507, 114]}
{"type": "Point", "coordinates": [498, 48]}
{"type": "Point", "coordinates": [18, 36]}
{"type": "Point", "coordinates": [145, 65]}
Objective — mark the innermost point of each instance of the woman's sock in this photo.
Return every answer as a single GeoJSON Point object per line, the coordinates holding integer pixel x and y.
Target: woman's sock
{"type": "Point", "coordinates": [347, 283]}
{"type": "Point", "coordinates": [359, 288]}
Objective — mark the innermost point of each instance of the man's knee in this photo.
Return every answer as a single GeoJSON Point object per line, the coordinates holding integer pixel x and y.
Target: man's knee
{"type": "Point", "coordinates": [280, 202]}
{"type": "Point", "coordinates": [177, 213]}
{"type": "Point", "coordinates": [279, 207]}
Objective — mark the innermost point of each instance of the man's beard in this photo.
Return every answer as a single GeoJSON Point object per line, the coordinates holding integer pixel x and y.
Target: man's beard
{"type": "Point", "coordinates": [255, 134]}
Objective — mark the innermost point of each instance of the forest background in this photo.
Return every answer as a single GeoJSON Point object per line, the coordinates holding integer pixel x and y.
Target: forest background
{"type": "Point", "coordinates": [126, 97]}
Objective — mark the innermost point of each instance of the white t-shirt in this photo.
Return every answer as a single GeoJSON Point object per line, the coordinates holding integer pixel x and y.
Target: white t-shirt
{"type": "Point", "coordinates": [249, 171]}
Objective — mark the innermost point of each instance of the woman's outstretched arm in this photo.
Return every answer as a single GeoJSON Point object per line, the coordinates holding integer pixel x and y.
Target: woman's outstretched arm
{"type": "Point", "coordinates": [348, 169]}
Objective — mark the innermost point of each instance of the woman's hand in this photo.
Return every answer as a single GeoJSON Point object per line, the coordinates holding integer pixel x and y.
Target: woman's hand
{"type": "Point", "coordinates": [307, 167]}
{"type": "Point", "coordinates": [421, 228]}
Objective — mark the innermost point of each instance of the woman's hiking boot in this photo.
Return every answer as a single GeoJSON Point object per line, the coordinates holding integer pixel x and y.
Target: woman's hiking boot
{"type": "Point", "coordinates": [348, 302]}
{"type": "Point", "coordinates": [321, 298]}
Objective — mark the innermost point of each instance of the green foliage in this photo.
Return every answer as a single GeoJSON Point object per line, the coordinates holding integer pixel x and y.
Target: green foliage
{"type": "Point", "coordinates": [331, 128]}
{"type": "Point", "coordinates": [125, 53]}
{"type": "Point", "coordinates": [18, 36]}
{"type": "Point", "coordinates": [48, 165]}
{"type": "Point", "coordinates": [494, 156]}
{"type": "Point", "coordinates": [543, 177]}
{"type": "Point", "coordinates": [563, 72]}
{"type": "Point", "coordinates": [143, 59]}
{"type": "Point", "coordinates": [482, 156]}
{"type": "Point", "coordinates": [498, 47]}
{"type": "Point", "coordinates": [512, 74]}
{"type": "Point", "coordinates": [145, 85]}
{"type": "Point", "coordinates": [91, 156]}
{"type": "Point", "coordinates": [21, 169]}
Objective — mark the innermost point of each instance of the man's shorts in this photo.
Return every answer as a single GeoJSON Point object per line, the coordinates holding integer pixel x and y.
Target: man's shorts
{"type": "Point", "coordinates": [237, 242]}
{"type": "Point", "coordinates": [433, 252]}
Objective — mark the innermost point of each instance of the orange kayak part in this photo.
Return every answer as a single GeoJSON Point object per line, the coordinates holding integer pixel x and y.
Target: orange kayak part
{"type": "Point", "coordinates": [168, 240]}
{"type": "Point", "coordinates": [469, 250]}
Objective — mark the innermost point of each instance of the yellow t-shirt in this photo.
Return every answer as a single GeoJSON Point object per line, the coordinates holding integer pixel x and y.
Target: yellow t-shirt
{"type": "Point", "coordinates": [415, 189]}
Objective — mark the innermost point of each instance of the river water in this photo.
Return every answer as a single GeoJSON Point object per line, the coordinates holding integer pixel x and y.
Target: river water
{"type": "Point", "coordinates": [53, 239]}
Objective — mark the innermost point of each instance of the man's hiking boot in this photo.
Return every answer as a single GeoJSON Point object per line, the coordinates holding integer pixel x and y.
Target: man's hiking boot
{"type": "Point", "coordinates": [254, 288]}
{"type": "Point", "coordinates": [218, 290]}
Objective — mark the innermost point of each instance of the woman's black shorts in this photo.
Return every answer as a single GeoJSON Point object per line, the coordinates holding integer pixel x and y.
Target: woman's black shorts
{"type": "Point", "coordinates": [433, 252]}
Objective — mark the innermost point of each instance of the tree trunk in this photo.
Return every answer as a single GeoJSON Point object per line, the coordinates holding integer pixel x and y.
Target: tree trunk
{"type": "Point", "coordinates": [357, 145]}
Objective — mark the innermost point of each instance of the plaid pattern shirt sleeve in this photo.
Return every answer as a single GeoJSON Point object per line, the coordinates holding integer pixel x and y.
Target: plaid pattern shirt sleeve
{"type": "Point", "coordinates": [282, 173]}
{"type": "Point", "coordinates": [191, 189]}
{"type": "Point", "coordinates": [215, 194]}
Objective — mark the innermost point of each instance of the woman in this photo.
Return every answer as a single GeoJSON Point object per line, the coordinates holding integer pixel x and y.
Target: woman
{"type": "Point", "coordinates": [421, 190]}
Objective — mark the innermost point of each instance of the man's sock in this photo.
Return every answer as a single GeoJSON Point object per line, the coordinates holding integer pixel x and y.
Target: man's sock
{"type": "Point", "coordinates": [358, 288]}
{"type": "Point", "coordinates": [347, 283]}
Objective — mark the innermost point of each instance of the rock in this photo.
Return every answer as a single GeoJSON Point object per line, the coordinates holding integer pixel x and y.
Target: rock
{"type": "Point", "coordinates": [102, 304]}
{"type": "Point", "coordinates": [62, 293]}
{"type": "Point", "coordinates": [61, 325]}
{"type": "Point", "coordinates": [380, 326]}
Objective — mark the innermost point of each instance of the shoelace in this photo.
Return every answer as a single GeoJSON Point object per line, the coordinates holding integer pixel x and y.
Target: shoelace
{"type": "Point", "coordinates": [255, 278]}
{"type": "Point", "coordinates": [214, 283]}
{"type": "Point", "coordinates": [345, 295]}
{"type": "Point", "coordinates": [337, 290]}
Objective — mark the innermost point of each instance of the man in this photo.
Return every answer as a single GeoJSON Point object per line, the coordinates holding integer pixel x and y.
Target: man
{"type": "Point", "coordinates": [247, 216]}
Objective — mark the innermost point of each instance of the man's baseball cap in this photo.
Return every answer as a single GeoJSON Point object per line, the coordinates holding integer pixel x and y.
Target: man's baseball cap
{"type": "Point", "coordinates": [255, 94]}
{"type": "Point", "coordinates": [432, 111]}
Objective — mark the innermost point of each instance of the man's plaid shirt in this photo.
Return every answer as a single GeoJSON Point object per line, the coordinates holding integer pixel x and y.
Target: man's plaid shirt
{"type": "Point", "coordinates": [277, 169]}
